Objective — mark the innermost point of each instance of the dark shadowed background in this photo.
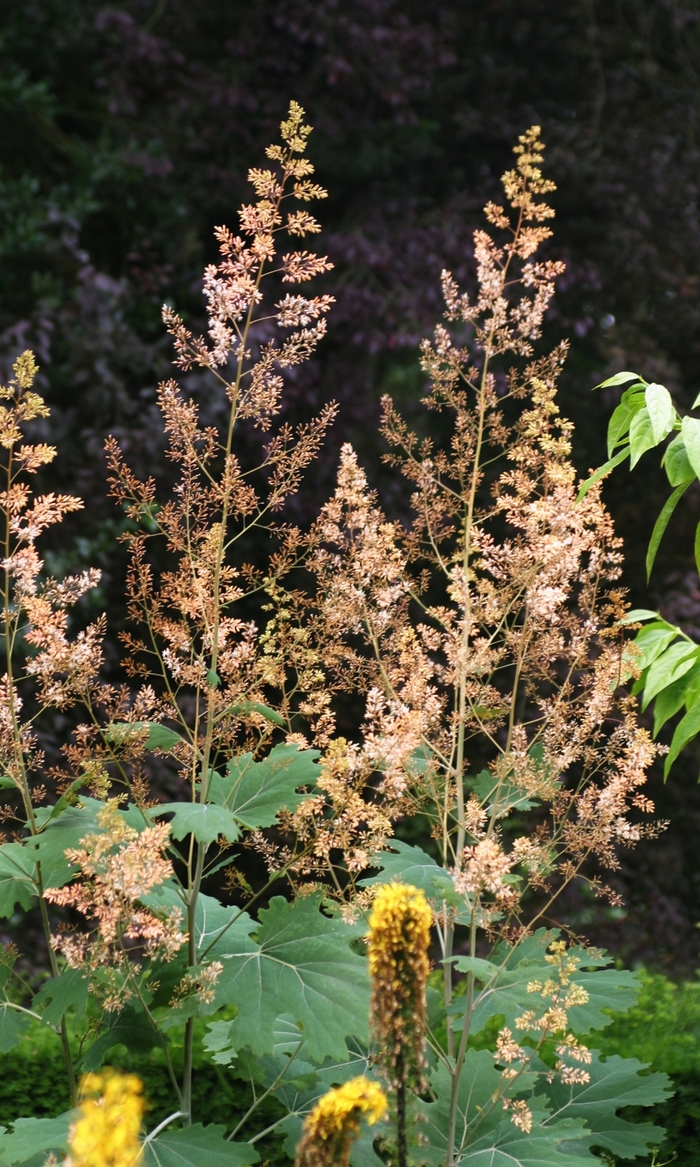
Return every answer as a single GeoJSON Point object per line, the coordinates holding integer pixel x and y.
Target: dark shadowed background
{"type": "Point", "coordinates": [126, 133]}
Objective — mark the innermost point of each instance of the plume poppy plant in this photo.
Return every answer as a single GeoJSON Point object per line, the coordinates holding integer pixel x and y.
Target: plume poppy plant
{"type": "Point", "coordinates": [484, 636]}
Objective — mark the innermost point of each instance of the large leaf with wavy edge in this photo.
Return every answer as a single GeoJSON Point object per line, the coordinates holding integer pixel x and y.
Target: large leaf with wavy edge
{"type": "Point", "coordinates": [411, 865]}
{"type": "Point", "coordinates": [217, 926]}
{"type": "Point", "coordinates": [59, 994]}
{"type": "Point", "coordinates": [205, 821]}
{"type": "Point", "coordinates": [511, 969]}
{"type": "Point", "coordinates": [13, 1024]}
{"type": "Point", "coordinates": [35, 1136]}
{"type": "Point", "coordinates": [615, 1082]}
{"type": "Point", "coordinates": [17, 878]}
{"type": "Point", "coordinates": [302, 1083]}
{"type": "Point", "coordinates": [130, 1029]}
{"type": "Point", "coordinates": [485, 1133]}
{"type": "Point", "coordinates": [195, 1146]}
{"type": "Point", "coordinates": [300, 963]}
{"type": "Point", "coordinates": [255, 792]}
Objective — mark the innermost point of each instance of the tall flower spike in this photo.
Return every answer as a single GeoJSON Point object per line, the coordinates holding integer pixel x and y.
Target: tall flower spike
{"type": "Point", "coordinates": [399, 937]}
{"type": "Point", "coordinates": [334, 1123]}
{"type": "Point", "coordinates": [107, 1131]}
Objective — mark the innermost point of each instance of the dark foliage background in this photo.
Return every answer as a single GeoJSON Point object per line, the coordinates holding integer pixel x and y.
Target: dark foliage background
{"type": "Point", "coordinates": [125, 136]}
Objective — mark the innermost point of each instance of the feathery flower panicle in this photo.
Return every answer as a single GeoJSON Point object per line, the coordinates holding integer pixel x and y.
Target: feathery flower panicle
{"type": "Point", "coordinates": [334, 1123]}
{"type": "Point", "coordinates": [398, 942]}
{"type": "Point", "coordinates": [118, 867]}
{"type": "Point", "coordinates": [517, 646]}
{"type": "Point", "coordinates": [107, 1131]}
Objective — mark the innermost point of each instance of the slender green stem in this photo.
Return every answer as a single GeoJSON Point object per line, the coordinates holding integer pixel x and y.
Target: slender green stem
{"type": "Point", "coordinates": [459, 1062]}
{"type": "Point", "coordinates": [401, 1115]}
{"type": "Point", "coordinates": [257, 1101]}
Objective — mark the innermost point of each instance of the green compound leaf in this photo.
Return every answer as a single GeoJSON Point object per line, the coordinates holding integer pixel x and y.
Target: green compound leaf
{"type": "Point", "coordinates": [638, 615]}
{"type": "Point", "coordinates": [615, 1082]}
{"type": "Point", "coordinates": [653, 640]}
{"type": "Point", "coordinates": [203, 820]}
{"type": "Point", "coordinates": [671, 699]}
{"type": "Point", "coordinates": [300, 963]}
{"type": "Point", "coordinates": [661, 411]}
{"type": "Point", "coordinates": [676, 462]}
{"type": "Point", "coordinates": [17, 878]}
{"type": "Point", "coordinates": [662, 522]}
{"type": "Point", "coordinates": [674, 662]}
{"type": "Point", "coordinates": [619, 424]}
{"type": "Point", "coordinates": [196, 1146]}
{"type": "Point", "coordinates": [690, 430]}
{"type": "Point", "coordinates": [13, 1025]}
{"type": "Point", "coordinates": [35, 1136]}
{"type": "Point", "coordinates": [619, 379]}
{"type": "Point", "coordinates": [601, 472]}
{"type": "Point", "coordinates": [688, 728]}
{"type": "Point", "coordinates": [641, 436]}
{"type": "Point", "coordinates": [484, 1130]}
{"type": "Point", "coordinates": [255, 792]}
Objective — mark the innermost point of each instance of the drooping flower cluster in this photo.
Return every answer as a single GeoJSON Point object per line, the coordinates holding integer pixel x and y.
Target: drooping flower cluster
{"type": "Point", "coordinates": [334, 1123]}
{"type": "Point", "coordinates": [107, 1130]}
{"type": "Point", "coordinates": [398, 942]}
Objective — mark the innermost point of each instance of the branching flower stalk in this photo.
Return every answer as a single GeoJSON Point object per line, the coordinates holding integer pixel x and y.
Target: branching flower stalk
{"type": "Point", "coordinates": [200, 647]}
{"type": "Point", "coordinates": [490, 626]}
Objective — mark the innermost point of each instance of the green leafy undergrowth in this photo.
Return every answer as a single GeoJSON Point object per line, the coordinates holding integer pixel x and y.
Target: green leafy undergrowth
{"type": "Point", "coordinates": [34, 1085]}
{"type": "Point", "coordinates": [663, 1029]}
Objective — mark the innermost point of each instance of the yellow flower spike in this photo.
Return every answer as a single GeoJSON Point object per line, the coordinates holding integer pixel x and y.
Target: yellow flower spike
{"type": "Point", "coordinates": [398, 942]}
{"type": "Point", "coordinates": [107, 1132]}
{"type": "Point", "coordinates": [334, 1123]}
